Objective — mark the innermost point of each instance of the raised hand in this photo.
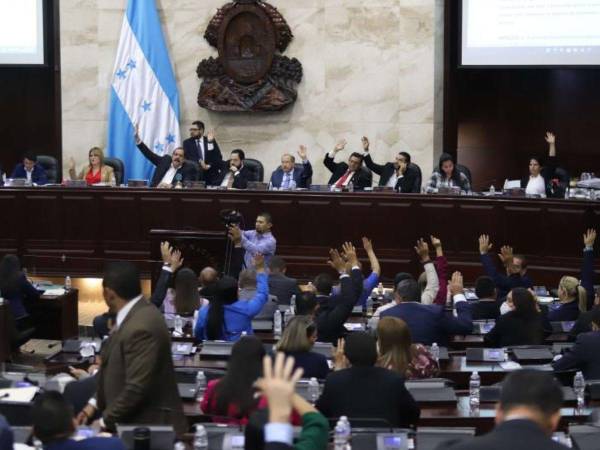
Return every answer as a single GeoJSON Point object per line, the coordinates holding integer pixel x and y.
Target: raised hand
{"type": "Point", "coordinates": [210, 135]}
{"type": "Point", "coordinates": [165, 252]}
{"type": "Point", "coordinates": [422, 249]}
{"type": "Point", "coordinates": [456, 285]}
{"type": "Point", "coordinates": [550, 138]}
{"type": "Point", "coordinates": [589, 237]}
{"type": "Point", "coordinates": [176, 260]}
{"type": "Point", "coordinates": [235, 234]}
{"type": "Point", "coordinates": [437, 243]}
{"type": "Point", "coordinates": [350, 253]}
{"type": "Point", "coordinates": [302, 152]}
{"type": "Point", "coordinates": [365, 143]}
{"type": "Point", "coordinates": [339, 357]}
{"type": "Point", "coordinates": [484, 244]}
{"type": "Point", "coordinates": [340, 145]}
{"type": "Point", "coordinates": [71, 163]}
{"type": "Point", "coordinates": [367, 244]}
{"type": "Point", "coordinates": [336, 261]}
{"type": "Point", "coordinates": [506, 255]}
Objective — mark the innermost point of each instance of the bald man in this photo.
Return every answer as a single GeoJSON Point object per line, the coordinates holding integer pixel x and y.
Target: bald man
{"type": "Point", "coordinates": [288, 177]}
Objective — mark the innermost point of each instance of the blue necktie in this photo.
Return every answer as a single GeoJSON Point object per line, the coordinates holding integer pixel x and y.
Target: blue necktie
{"type": "Point", "coordinates": [286, 180]}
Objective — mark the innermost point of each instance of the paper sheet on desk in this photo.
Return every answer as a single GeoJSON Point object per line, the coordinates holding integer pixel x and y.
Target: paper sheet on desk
{"type": "Point", "coordinates": [54, 292]}
{"type": "Point", "coordinates": [510, 365]}
{"type": "Point", "coordinates": [18, 395]}
{"type": "Point", "coordinates": [512, 184]}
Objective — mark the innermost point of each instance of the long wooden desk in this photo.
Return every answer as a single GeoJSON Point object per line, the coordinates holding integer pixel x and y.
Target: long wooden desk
{"type": "Point", "coordinates": [75, 231]}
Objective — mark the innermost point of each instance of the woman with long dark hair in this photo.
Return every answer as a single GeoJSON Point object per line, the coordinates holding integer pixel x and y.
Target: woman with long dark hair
{"type": "Point", "coordinates": [227, 317]}
{"type": "Point", "coordinates": [448, 175]}
{"type": "Point", "coordinates": [523, 325]}
{"type": "Point", "coordinates": [232, 399]}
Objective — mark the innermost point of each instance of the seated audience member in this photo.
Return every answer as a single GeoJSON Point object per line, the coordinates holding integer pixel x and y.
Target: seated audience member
{"type": "Point", "coordinates": [96, 171]}
{"type": "Point", "coordinates": [287, 176]}
{"type": "Point", "coordinates": [516, 268]}
{"type": "Point", "coordinates": [170, 169]}
{"type": "Point", "coordinates": [6, 434]}
{"type": "Point", "coordinates": [29, 169]}
{"type": "Point", "coordinates": [447, 175]}
{"type": "Point", "coordinates": [543, 179]}
{"type": "Point", "coordinates": [277, 385]}
{"type": "Point", "coordinates": [257, 241]}
{"type": "Point", "coordinates": [205, 151]}
{"type": "Point", "coordinates": [428, 289]}
{"type": "Point", "coordinates": [233, 173]}
{"type": "Point", "coordinates": [523, 325]}
{"type": "Point", "coordinates": [247, 291]}
{"type": "Point", "coordinates": [584, 355]}
{"type": "Point", "coordinates": [398, 353]}
{"type": "Point", "coordinates": [54, 425]}
{"type": "Point", "coordinates": [334, 310]}
{"type": "Point", "coordinates": [298, 339]}
{"type": "Point", "coordinates": [307, 304]}
{"type": "Point", "coordinates": [227, 317]}
{"type": "Point", "coordinates": [398, 174]}
{"type": "Point", "coordinates": [17, 291]}
{"type": "Point", "coordinates": [232, 398]}
{"type": "Point", "coordinates": [486, 307]}
{"type": "Point", "coordinates": [526, 417]}
{"type": "Point", "coordinates": [343, 174]}
{"type": "Point", "coordinates": [430, 323]}
{"type": "Point", "coordinates": [364, 391]}
{"type": "Point", "coordinates": [208, 280]}
{"type": "Point", "coordinates": [572, 299]}
{"type": "Point", "coordinates": [280, 285]}
{"type": "Point", "coordinates": [441, 269]}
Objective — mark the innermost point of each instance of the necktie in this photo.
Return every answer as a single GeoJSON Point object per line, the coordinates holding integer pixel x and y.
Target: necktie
{"type": "Point", "coordinates": [342, 180]}
{"type": "Point", "coordinates": [200, 150]}
{"type": "Point", "coordinates": [230, 181]}
{"type": "Point", "coordinates": [286, 180]}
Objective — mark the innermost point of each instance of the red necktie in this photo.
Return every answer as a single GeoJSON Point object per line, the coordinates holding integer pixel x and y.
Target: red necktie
{"type": "Point", "coordinates": [342, 180]}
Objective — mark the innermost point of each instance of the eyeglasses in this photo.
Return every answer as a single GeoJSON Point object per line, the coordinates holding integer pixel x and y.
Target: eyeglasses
{"type": "Point", "coordinates": [194, 129]}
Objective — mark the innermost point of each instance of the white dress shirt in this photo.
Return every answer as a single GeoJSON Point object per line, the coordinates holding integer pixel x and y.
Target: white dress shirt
{"type": "Point", "coordinates": [393, 180]}
{"type": "Point", "coordinates": [28, 174]}
{"type": "Point", "coordinates": [536, 186]}
{"type": "Point", "coordinates": [168, 178]}
{"type": "Point", "coordinates": [122, 315]}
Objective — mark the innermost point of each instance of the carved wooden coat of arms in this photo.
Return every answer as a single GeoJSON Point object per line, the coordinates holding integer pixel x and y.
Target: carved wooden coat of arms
{"type": "Point", "coordinates": [249, 74]}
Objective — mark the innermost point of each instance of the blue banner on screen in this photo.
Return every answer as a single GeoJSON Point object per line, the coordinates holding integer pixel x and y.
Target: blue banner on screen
{"type": "Point", "coordinates": [144, 92]}
{"type": "Point", "coordinates": [530, 33]}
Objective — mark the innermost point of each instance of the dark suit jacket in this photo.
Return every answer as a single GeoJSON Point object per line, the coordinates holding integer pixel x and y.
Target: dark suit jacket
{"type": "Point", "coordinates": [583, 356]}
{"type": "Point", "coordinates": [240, 180]}
{"type": "Point", "coordinates": [38, 176]}
{"type": "Point", "coordinates": [519, 434]}
{"type": "Point", "coordinates": [430, 323]}
{"type": "Point", "coordinates": [368, 393]}
{"type": "Point", "coordinates": [79, 392]}
{"type": "Point", "coordinates": [406, 184]}
{"type": "Point", "coordinates": [335, 310]}
{"type": "Point", "coordinates": [583, 324]}
{"type": "Point", "coordinates": [283, 288]}
{"type": "Point", "coordinates": [6, 434]}
{"type": "Point", "coordinates": [137, 380]}
{"type": "Point", "coordinates": [96, 443]}
{"type": "Point", "coordinates": [187, 172]}
{"type": "Point", "coordinates": [339, 169]}
{"type": "Point", "coordinates": [487, 309]}
{"type": "Point", "coordinates": [301, 177]}
{"type": "Point", "coordinates": [512, 329]}
{"type": "Point", "coordinates": [213, 157]}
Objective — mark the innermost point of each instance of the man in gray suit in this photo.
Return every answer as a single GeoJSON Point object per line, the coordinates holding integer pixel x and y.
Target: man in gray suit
{"type": "Point", "coordinates": [136, 383]}
{"type": "Point", "coordinates": [280, 285]}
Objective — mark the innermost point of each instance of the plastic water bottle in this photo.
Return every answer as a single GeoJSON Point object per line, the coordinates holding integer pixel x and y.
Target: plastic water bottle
{"type": "Point", "coordinates": [474, 387]}
{"type": "Point", "coordinates": [492, 190]}
{"type": "Point", "coordinates": [200, 438]}
{"type": "Point", "coordinates": [380, 291]}
{"type": "Point", "coordinates": [435, 352]}
{"type": "Point", "coordinates": [313, 390]}
{"type": "Point", "coordinates": [293, 303]}
{"type": "Point", "coordinates": [270, 186]}
{"type": "Point", "coordinates": [178, 324]}
{"type": "Point", "coordinates": [339, 438]}
{"type": "Point", "coordinates": [287, 316]}
{"type": "Point", "coordinates": [179, 446]}
{"type": "Point", "coordinates": [347, 430]}
{"type": "Point", "coordinates": [200, 384]}
{"type": "Point", "coordinates": [68, 284]}
{"type": "Point", "coordinates": [579, 388]}
{"type": "Point", "coordinates": [369, 306]}
{"type": "Point", "coordinates": [37, 444]}
{"type": "Point", "coordinates": [277, 324]}
{"type": "Point", "coordinates": [350, 187]}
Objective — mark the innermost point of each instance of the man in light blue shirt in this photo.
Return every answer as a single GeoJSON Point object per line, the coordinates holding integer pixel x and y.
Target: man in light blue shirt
{"type": "Point", "coordinates": [258, 241]}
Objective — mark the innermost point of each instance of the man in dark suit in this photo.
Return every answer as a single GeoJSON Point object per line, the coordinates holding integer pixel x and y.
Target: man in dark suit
{"type": "Point", "coordinates": [334, 310]}
{"type": "Point", "coordinates": [430, 323]}
{"type": "Point", "coordinates": [136, 381]}
{"type": "Point", "coordinates": [526, 417]}
{"type": "Point", "coordinates": [280, 285]}
{"type": "Point", "coordinates": [233, 173]}
{"type": "Point", "coordinates": [54, 425]}
{"type": "Point", "coordinates": [398, 175]}
{"type": "Point", "coordinates": [205, 151]}
{"type": "Point", "coordinates": [364, 391]}
{"type": "Point", "coordinates": [287, 176]}
{"type": "Point", "coordinates": [6, 434]}
{"type": "Point", "coordinates": [31, 170]}
{"type": "Point", "coordinates": [343, 174]}
{"type": "Point", "coordinates": [486, 307]}
{"type": "Point", "coordinates": [584, 355]}
{"type": "Point", "coordinates": [170, 170]}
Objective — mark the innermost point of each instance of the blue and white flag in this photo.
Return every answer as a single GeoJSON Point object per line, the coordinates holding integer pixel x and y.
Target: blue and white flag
{"type": "Point", "coordinates": [143, 92]}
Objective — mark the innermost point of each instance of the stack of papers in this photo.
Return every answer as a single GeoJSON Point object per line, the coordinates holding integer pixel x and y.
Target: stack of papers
{"type": "Point", "coordinates": [55, 292]}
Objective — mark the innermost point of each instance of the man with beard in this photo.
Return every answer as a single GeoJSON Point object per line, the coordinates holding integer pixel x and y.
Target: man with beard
{"type": "Point", "coordinates": [398, 175]}
{"type": "Point", "coordinates": [259, 241]}
{"type": "Point", "coordinates": [233, 173]}
{"type": "Point", "coordinates": [205, 151]}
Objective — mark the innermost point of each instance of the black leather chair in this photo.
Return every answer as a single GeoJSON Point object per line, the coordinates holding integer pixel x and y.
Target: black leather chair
{"type": "Point", "coordinates": [118, 167]}
{"type": "Point", "coordinates": [368, 175]}
{"type": "Point", "coordinates": [256, 167]}
{"type": "Point", "coordinates": [301, 167]}
{"type": "Point", "coordinates": [50, 165]}
{"type": "Point", "coordinates": [467, 172]}
{"type": "Point", "coordinates": [419, 180]}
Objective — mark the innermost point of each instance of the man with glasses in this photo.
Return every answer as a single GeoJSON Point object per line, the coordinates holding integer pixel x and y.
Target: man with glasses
{"type": "Point", "coordinates": [205, 151]}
